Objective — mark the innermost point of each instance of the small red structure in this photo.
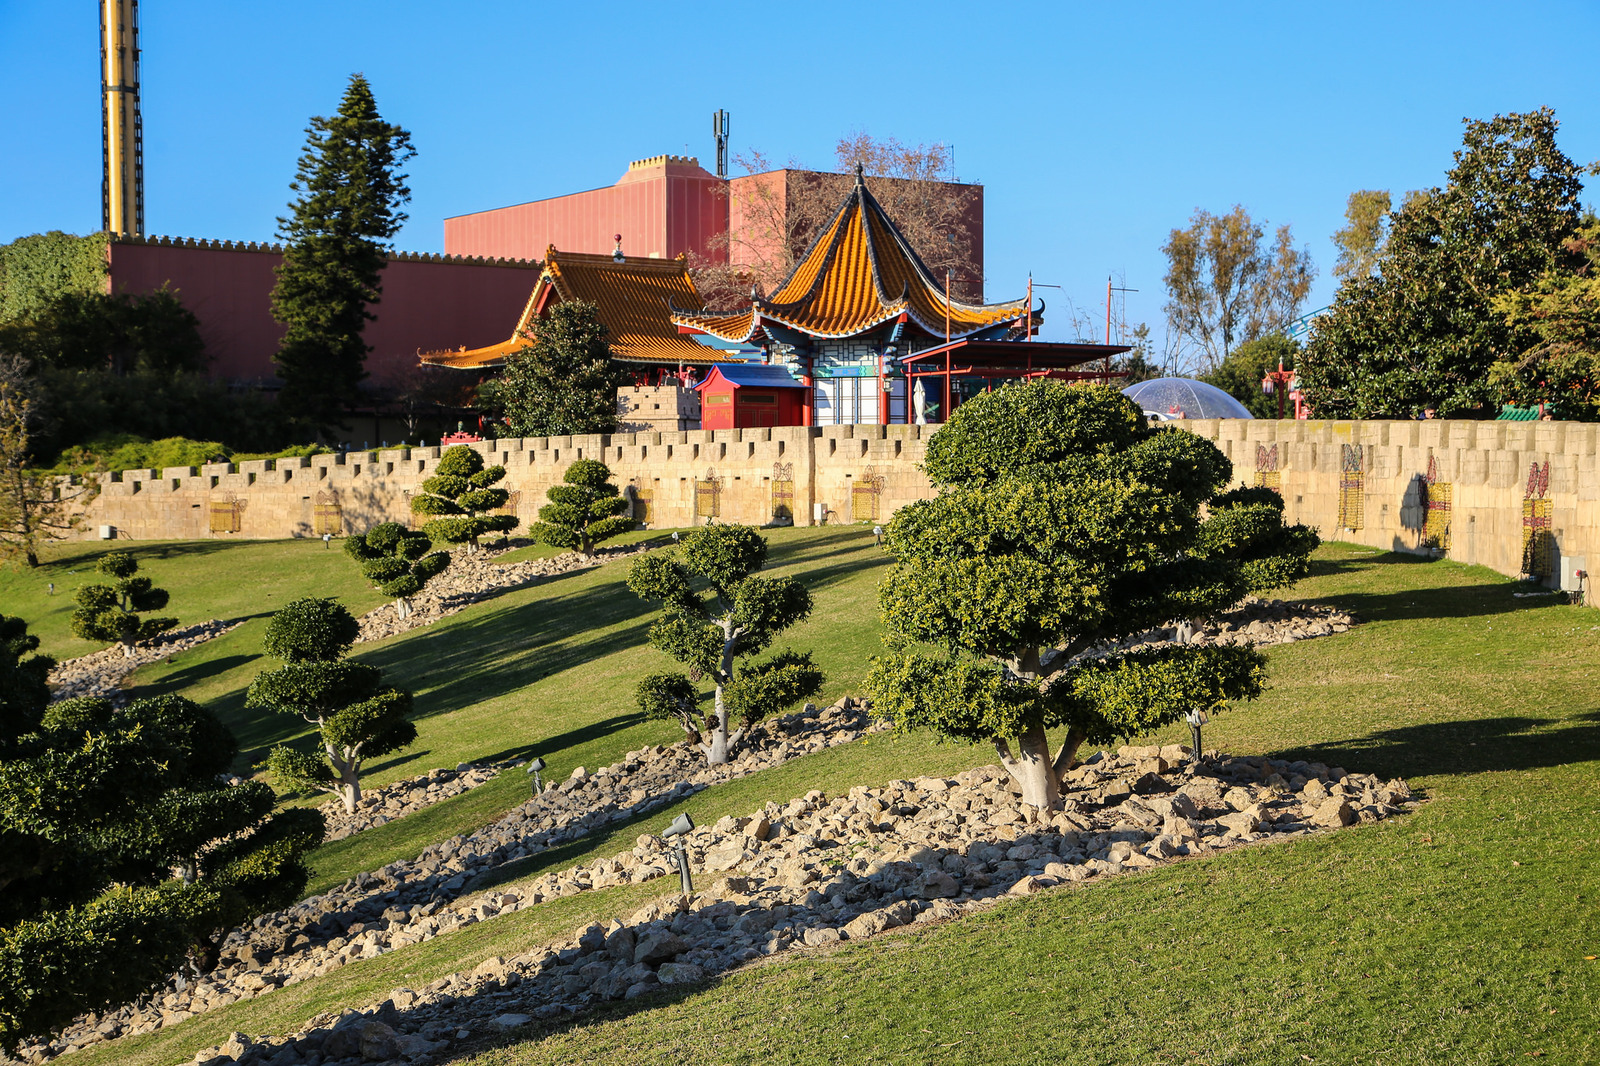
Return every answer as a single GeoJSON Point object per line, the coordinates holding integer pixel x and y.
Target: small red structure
{"type": "Point", "coordinates": [750, 396]}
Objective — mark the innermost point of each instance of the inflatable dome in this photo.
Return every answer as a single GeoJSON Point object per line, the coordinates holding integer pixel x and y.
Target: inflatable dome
{"type": "Point", "coordinates": [1166, 398]}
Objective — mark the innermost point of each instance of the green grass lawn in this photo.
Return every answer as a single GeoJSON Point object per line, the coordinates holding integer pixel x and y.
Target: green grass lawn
{"type": "Point", "coordinates": [1454, 935]}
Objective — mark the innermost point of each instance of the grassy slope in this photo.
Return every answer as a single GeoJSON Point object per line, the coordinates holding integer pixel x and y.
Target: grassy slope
{"type": "Point", "coordinates": [1456, 935]}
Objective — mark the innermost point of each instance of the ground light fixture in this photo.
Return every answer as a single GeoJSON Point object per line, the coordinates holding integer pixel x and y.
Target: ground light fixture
{"type": "Point", "coordinates": [674, 832]}
{"type": "Point", "coordinates": [533, 768]}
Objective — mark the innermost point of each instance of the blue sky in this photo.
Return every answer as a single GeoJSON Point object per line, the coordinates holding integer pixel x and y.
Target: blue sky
{"type": "Point", "coordinates": [1095, 128]}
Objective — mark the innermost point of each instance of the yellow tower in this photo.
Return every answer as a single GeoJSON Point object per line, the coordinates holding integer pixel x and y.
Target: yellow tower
{"type": "Point", "coordinates": [122, 192]}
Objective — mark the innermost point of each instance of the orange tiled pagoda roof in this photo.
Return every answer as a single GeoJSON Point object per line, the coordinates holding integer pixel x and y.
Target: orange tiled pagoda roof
{"type": "Point", "coordinates": [633, 298]}
{"type": "Point", "coordinates": [859, 273]}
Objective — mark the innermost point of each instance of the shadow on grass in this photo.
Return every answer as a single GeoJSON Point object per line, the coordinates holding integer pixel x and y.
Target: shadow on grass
{"type": "Point", "coordinates": [1446, 601]}
{"type": "Point", "coordinates": [175, 682]}
{"type": "Point", "coordinates": [561, 741]}
{"type": "Point", "coordinates": [1484, 745]}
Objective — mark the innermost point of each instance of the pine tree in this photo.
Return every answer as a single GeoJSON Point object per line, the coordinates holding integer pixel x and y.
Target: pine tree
{"type": "Point", "coordinates": [397, 561]}
{"type": "Point", "coordinates": [350, 191]}
{"type": "Point", "coordinates": [565, 380]}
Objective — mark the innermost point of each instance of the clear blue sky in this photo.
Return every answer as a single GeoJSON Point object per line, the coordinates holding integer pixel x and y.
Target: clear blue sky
{"type": "Point", "coordinates": [1095, 128]}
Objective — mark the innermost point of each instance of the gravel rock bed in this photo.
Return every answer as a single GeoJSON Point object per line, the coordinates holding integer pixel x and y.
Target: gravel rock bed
{"type": "Point", "coordinates": [1256, 622]}
{"type": "Point", "coordinates": [409, 902]}
{"type": "Point", "coordinates": [476, 576]}
{"type": "Point", "coordinates": [382, 805]}
{"type": "Point", "coordinates": [817, 871]}
{"type": "Point", "coordinates": [101, 673]}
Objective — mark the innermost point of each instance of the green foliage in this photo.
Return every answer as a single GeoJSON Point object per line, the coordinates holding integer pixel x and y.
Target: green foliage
{"type": "Point", "coordinates": [1366, 227]}
{"type": "Point", "coordinates": [1561, 369]}
{"type": "Point", "coordinates": [459, 496]}
{"type": "Point", "coordinates": [740, 615]}
{"type": "Point", "coordinates": [347, 209]}
{"type": "Point", "coordinates": [40, 268]}
{"type": "Point", "coordinates": [97, 807]}
{"type": "Point", "coordinates": [584, 509]}
{"type": "Point", "coordinates": [80, 407]}
{"type": "Point", "coordinates": [564, 380]}
{"type": "Point", "coordinates": [24, 680]}
{"type": "Point", "coordinates": [357, 716]}
{"type": "Point", "coordinates": [1423, 332]}
{"type": "Point", "coordinates": [1224, 287]}
{"type": "Point", "coordinates": [1240, 374]}
{"type": "Point", "coordinates": [119, 333]}
{"type": "Point", "coordinates": [671, 697]}
{"type": "Point", "coordinates": [396, 560]}
{"type": "Point", "coordinates": [1063, 526]}
{"type": "Point", "coordinates": [311, 630]}
{"type": "Point", "coordinates": [110, 613]}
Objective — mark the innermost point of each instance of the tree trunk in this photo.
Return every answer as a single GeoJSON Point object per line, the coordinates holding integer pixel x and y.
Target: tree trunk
{"type": "Point", "coordinates": [402, 608]}
{"type": "Point", "coordinates": [127, 649]}
{"type": "Point", "coordinates": [1033, 769]}
{"type": "Point", "coordinates": [717, 753]}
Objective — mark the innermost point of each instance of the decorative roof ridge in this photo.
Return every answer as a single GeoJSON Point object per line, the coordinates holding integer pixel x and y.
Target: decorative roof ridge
{"type": "Point", "coordinates": [834, 231]}
{"type": "Point", "coordinates": [922, 268]}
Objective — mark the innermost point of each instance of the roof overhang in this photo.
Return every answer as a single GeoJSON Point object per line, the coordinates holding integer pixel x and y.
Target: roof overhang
{"type": "Point", "coordinates": [1021, 358]}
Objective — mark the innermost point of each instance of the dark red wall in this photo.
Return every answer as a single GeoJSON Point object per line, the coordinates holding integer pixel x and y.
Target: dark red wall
{"type": "Point", "coordinates": [429, 302]}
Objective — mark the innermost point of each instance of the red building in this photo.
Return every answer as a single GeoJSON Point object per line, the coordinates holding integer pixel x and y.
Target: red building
{"type": "Point", "coordinates": [429, 301]}
{"type": "Point", "coordinates": [667, 206]}
{"type": "Point", "coordinates": [750, 396]}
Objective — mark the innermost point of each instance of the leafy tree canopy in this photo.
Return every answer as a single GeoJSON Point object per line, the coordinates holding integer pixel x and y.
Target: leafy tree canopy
{"type": "Point", "coordinates": [397, 561]}
{"type": "Point", "coordinates": [111, 612]}
{"type": "Point", "coordinates": [1561, 311]}
{"type": "Point", "coordinates": [350, 190]}
{"type": "Point", "coordinates": [1422, 332]}
{"type": "Point", "coordinates": [1366, 215]}
{"type": "Point", "coordinates": [1064, 524]}
{"type": "Point", "coordinates": [584, 509]}
{"type": "Point", "coordinates": [564, 380]}
{"type": "Point", "coordinates": [98, 807]}
{"type": "Point", "coordinates": [1240, 374]}
{"type": "Point", "coordinates": [739, 615]}
{"type": "Point", "coordinates": [358, 717]}
{"type": "Point", "coordinates": [40, 268]}
{"type": "Point", "coordinates": [119, 333]}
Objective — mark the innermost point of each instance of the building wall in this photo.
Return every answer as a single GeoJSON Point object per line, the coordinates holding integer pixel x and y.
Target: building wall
{"type": "Point", "coordinates": [1356, 481]}
{"type": "Point", "coordinates": [662, 207]}
{"type": "Point", "coordinates": [429, 301]}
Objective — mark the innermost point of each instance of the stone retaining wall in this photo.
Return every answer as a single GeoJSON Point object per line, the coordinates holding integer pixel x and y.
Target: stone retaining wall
{"type": "Point", "coordinates": [1515, 496]}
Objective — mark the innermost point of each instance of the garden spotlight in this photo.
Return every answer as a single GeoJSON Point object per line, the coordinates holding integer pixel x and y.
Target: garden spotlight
{"type": "Point", "coordinates": [1196, 718]}
{"type": "Point", "coordinates": [533, 768]}
{"type": "Point", "coordinates": [680, 825]}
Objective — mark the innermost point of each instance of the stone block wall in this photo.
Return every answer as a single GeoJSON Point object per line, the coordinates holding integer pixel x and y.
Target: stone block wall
{"type": "Point", "coordinates": [1513, 496]}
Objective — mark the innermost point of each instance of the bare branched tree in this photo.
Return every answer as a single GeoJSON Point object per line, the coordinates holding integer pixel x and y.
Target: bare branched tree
{"type": "Point", "coordinates": [774, 214]}
{"type": "Point", "coordinates": [1225, 288]}
{"type": "Point", "coordinates": [33, 507]}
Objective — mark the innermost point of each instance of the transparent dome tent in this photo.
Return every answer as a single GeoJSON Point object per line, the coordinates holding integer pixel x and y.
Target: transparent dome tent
{"type": "Point", "coordinates": [1166, 398]}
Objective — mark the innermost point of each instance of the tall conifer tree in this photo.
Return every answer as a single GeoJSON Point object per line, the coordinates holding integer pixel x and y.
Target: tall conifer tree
{"type": "Point", "coordinates": [350, 191]}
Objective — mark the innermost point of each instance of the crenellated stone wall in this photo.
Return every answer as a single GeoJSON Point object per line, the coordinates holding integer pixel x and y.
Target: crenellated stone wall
{"type": "Point", "coordinates": [1514, 496]}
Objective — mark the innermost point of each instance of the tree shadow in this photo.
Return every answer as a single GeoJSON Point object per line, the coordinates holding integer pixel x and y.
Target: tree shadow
{"type": "Point", "coordinates": [574, 737]}
{"type": "Point", "coordinates": [1445, 601]}
{"type": "Point", "coordinates": [175, 682]}
{"type": "Point", "coordinates": [1483, 745]}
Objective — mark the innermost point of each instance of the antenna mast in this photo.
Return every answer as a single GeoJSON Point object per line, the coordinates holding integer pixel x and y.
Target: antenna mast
{"type": "Point", "coordinates": [122, 134]}
{"type": "Point", "coordinates": [719, 129]}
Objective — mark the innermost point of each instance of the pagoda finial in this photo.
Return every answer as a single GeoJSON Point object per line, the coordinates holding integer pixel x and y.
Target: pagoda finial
{"type": "Point", "coordinates": [859, 182]}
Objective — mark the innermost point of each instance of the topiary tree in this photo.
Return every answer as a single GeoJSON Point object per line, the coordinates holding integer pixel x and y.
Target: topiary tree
{"type": "Point", "coordinates": [99, 806]}
{"type": "Point", "coordinates": [111, 612]}
{"type": "Point", "coordinates": [459, 496]}
{"type": "Point", "coordinates": [397, 561]}
{"type": "Point", "coordinates": [1064, 524]}
{"type": "Point", "coordinates": [24, 680]}
{"type": "Point", "coordinates": [356, 715]}
{"type": "Point", "coordinates": [584, 509]}
{"type": "Point", "coordinates": [739, 616]}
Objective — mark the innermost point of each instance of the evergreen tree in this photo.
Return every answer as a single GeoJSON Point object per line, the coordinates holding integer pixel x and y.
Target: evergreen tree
{"type": "Point", "coordinates": [350, 191]}
{"type": "Point", "coordinates": [1241, 373]}
{"type": "Point", "coordinates": [584, 509]}
{"type": "Point", "coordinates": [1561, 367]}
{"type": "Point", "coordinates": [1422, 332]}
{"type": "Point", "coordinates": [98, 808]}
{"type": "Point", "coordinates": [111, 612]}
{"type": "Point", "coordinates": [357, 716]}
{"type": "Point", "coordinates": [740, 615]}
{"type": "Point", "coordinates": [459, 497]}
{"type": "Point", "coordinates": [1063, 525]}
{"type": "Point", "coordinates": [565, 380]}
{"type": "Point", "coordinates": [397, 561]}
